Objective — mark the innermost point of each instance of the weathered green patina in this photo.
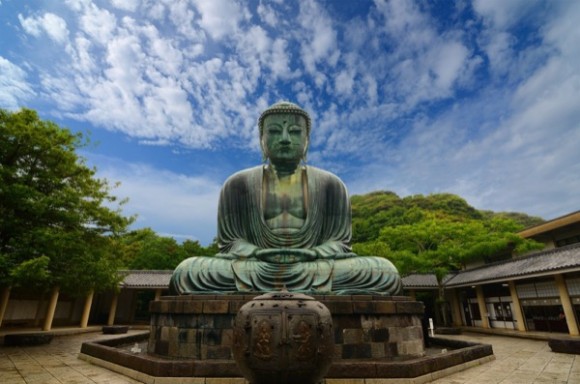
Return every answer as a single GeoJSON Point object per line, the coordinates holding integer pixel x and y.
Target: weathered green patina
{"type": "Point", "coordinates": [285, 225]}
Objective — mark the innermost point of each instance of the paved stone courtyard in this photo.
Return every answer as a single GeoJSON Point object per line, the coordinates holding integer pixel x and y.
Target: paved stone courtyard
{"type": "Point", "coordinates": [55, 363]}
{"type": "Point", "coordinates": [518, 361]}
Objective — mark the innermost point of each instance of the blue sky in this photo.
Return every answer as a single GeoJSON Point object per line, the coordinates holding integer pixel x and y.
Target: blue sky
{"type": "Point", "coordinates": [480, 99]}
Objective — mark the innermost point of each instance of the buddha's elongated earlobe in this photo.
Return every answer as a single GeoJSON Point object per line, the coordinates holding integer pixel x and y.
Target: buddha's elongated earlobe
{"type": "Point", "coordinates": [264, 156]}
{"type": "Point", "coordinates": [304, 154]}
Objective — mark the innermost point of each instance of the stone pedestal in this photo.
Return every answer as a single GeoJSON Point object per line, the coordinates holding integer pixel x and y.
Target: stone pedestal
{"type": "Point", "coordinates": [200, 327]}
{"type": "Point", "coordinates": [376, 338]}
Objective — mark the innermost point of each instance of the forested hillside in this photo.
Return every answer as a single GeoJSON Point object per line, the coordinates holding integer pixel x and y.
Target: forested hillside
{"type": "Point", "coordinates": [437, 233]}
{"type": "Point", "coordinates": [376, 210]}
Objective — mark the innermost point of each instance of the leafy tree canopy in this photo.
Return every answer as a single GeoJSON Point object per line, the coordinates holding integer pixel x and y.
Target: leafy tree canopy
{"type": "Point", "coordinates": [56, 222]}
{"type": "Point", "coordinates": [437, 233]}
{"type": "Point", "coordinates": [145, 249]}
{"type": "Point", "coordinates": [374, 211]}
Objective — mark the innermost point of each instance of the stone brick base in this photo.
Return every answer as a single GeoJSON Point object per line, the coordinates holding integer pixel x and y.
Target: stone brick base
{"type": "Point", "coordinates": [199, 327]}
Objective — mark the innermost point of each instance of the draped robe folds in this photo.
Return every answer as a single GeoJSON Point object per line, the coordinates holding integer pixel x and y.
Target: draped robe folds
{"type": "Point", "coordinates": [242, 230]}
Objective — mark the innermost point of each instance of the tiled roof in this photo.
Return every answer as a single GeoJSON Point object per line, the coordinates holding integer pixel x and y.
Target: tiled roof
{"type": "Point", "coordinates": [420, 281]}
{"type": "Point", "coordinates": [146, 279]}
{"type": "Point", "coordinates": [160, 279]}
{"type": "Point", "coordinates": [559, 259]}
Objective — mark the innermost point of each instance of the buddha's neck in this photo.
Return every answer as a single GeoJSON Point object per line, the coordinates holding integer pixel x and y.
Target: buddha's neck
{"type": "Point", "coordinates": [284, 171]}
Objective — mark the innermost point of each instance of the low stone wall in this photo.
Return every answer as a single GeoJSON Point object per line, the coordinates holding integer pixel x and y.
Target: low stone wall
{"type": "Point", "coordinates": [365, 327]}
{"type": "Point", "coordinates": [461, 355]}
{"type": "Point", "coordinates": [27, 339]}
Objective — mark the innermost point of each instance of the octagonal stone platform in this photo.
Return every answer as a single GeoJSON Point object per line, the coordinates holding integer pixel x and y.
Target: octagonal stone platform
{"type": "Point", "coordinates": [376, 337]}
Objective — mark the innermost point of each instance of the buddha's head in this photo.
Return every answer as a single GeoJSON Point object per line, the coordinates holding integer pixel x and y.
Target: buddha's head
{"type": "Point", "coordinates": [284, 132]}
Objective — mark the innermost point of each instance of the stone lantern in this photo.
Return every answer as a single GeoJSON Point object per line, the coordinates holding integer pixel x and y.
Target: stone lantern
{"type": "Point", "coordinates": [283, 338]}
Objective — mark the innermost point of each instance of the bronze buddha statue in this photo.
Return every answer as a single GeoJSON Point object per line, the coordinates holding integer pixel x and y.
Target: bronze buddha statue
{"type": "Point", "coordinates": [285, 225]}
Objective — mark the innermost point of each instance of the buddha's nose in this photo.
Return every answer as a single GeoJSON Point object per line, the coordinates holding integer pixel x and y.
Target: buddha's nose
{"type": "Point", "coordinates": [285, 139]}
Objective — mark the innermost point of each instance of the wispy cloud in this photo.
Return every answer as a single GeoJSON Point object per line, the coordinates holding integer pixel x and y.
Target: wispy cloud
{"type": "Point", "coordinates": [49, 23]}
{"type": "Point", "coordinates": [478, 99]}
{"type": "Point", "coordinates": [15, 91]}
{"type": "Point", "coordinates": [176, 203]}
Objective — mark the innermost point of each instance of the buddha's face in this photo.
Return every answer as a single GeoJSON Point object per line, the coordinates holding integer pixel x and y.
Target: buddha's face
{"type": "Point", "coordinates": [284, 137]}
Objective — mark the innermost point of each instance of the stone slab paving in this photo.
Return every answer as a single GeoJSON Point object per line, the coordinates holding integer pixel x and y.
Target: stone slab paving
{"type": "Point", "coordinates": [518, 361]}
{"type": "Point", "coordinates": [55, 363]}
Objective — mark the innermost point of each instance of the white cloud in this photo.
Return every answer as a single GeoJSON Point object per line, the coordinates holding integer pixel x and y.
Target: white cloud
{"type": "Point", "coordinates": [503, 14]}
{"type": "Point", "coordinates": [126, 5]}
{"type": "Point", "coordinates": [267, 14]}
{"type": "Point", "coordinates": [220, 18]}
{"type": "Point", "coordinates": [98, 23]}
{"type": "Point", "coordinates": [77, 5]}
{"type": "Point", "coordinates": [83, 59]}
{"type": "Point", "coordinates": [344, 83]}
{"type": "Point", "coordinates": [259, 52]}
{"type": "Point", "coordinates": [383, 87]}
{"type": "Point", "coordinates": [184, 20]}
{"type": "Point", "coordinates": [166, 201]}
{"type": "Point", "coordinates": [54, 26]}
{"type": "Point", "coordinates": [425, 65]}
{"type": "Point", "coordinates": [319, 38]}
{"type": "Point", "coordinates": [15, 91]}
{"type": "Point", "coordinates": [499, 49]}
{"type": "Point", "coordinates": [448, 64]}
{"type": "Point", "coordinates": [513, 146]}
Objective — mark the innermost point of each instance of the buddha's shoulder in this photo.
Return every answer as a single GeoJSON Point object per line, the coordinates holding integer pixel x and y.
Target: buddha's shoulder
{"type": "Point", "coordinates": [317, 172]}
{"type": "Point", "coordinates": [245, 175]}
{"type": "Point", "coordinates": [323, 175]}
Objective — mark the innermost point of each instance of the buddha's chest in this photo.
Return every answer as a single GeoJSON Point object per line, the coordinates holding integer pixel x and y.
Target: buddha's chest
{"type": "Point", "coordinates": [284, 205]}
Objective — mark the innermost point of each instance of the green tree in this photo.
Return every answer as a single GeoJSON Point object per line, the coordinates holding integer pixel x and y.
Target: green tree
{"type": "Point", "coordinates": [374, 211]}
{"type": "Point", "coordinates": [145, 249]}
{"type": "Point", "coordinates": [441, 244]}
{"type": "Point", "coordinates": [520, 218]}
{"type": "Point", "coordinates": [57, 227]}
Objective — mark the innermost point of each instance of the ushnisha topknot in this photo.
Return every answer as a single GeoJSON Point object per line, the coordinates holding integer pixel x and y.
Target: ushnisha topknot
{"type": "Point", "coordinates": [283, 107]}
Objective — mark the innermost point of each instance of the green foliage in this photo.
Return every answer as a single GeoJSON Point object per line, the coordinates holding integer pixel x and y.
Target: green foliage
{"type": "Point", "coordinates": [436, 234]}
{"type": "Point", "coordinates": [34, 271]}
{"type": "Point", "coordinates": [372, 212]}
{"type": "Point", "coordinates": [145, 249]}
{"type": "Point", "coordinates": [53, 206]}
{"type": "Point", "coordinates": [521, 218]}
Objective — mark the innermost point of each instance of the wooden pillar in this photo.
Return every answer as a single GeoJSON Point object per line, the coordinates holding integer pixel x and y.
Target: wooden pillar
{"type": "Point", "coordinates": [4, 302]}
{"type": "Point", "coordinates": [482, 307]}
{"type": "Point", "coordinates": [113, 309]}
{"type": "Point", "coordinates": [456, 317]}
{"type": "Point", "coordinates": [412, 294]}
{"type": "Point", "coordinates": [517, 307]}
{"type": "Point", "coordinates": [567, 305]}
{"type": "Point", "coordinates": [158, 293]}
{"type": "Point", "coordinates": [87, 309]}
{"type": "Point", "coordinates": [51, 309]}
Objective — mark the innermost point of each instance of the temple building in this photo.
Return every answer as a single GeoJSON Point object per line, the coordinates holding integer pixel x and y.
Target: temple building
{"type": "Point", "coordinates": [534, 292]}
